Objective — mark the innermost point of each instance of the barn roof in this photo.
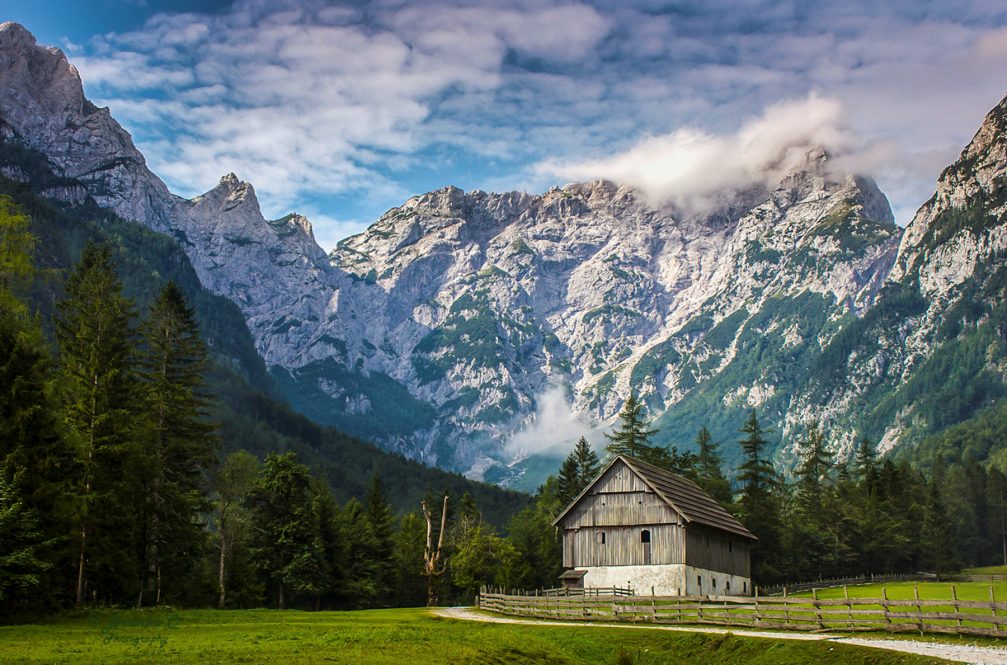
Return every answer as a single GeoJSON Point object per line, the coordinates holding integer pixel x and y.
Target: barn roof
{"type": "Point", "coordinates": [683, 495]}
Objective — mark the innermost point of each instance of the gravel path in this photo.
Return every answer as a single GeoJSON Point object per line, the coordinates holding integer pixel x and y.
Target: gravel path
{"type": "Point", "coordinates": [962, 653]}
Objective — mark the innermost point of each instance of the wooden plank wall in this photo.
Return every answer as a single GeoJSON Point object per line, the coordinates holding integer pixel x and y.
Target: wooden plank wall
{"type": "Point", "coordinates": [715, 550]}
{"type": "Point", "coordinates": [621, 506]}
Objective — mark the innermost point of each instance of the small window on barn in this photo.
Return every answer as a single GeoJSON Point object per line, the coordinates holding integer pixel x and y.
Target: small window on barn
{"type": "Point", "coordinates": [744, 587]}
{"type": "Point", "coordinates": [730, 546]}
{"type": "Point", "coordinates": [645, 536]}
{"type": "Point", "coordinates": [714, 582]}
{"type": "Point", "coordinates": [728, 585]}
{"type": "Point", "coordinates": [602, 537]}
{"type": "Point", "coordinates": [699, 579]}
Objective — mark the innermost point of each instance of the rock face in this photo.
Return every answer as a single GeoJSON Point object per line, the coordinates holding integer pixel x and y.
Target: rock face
{"type": "Point", "coordinates": [439, 329]}
{"type": "Point", "coordinates": [933, 350]}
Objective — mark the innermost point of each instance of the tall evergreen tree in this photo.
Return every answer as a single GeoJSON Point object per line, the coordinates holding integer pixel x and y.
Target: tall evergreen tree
{"type": "Point", "coordinates": [380, 521]}
{"type": "Point", "coordinates": [710, 474]}
{"type": "Point", "coordinates": [21, 542]}
{"type": "Point", "coordinates": [866, 464]}
{"type": "Point", "coordinates": [179, 441]}
{"type": "Point", "coordinates": [95, 338]}
{"type": "Point", "coordinates": [815, 465]}
{"type": "Point", "coordinates": [410, 586]}
{"type": "Point", "coordinates": [588, 464]}
{"type": "Point", "coordinates": [758, 506]}
{"type": "Point", "coordinates": [937, 547]}
{"type": "Point", "coordinates": [284, 543]}
{"type": "Point", "coordinates": [632, 436]}
{"type": "Point", "coordinates": [31, 447]}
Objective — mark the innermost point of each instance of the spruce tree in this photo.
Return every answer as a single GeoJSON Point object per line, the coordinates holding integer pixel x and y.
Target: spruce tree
{"type": "Point", "coordinates": [816, 463]}
{"type": "Point", "coordinates": [759, 508]}
{"type": "Point", "coordinates": [937, 547]}
{"type": "Point", "coordinates": [31, 447]}
{"type": "Point", "coordinates": [21, 543]}
{"type": "Point", "coordinates": [568, 479]}
{"type": "Point", "coordinates": [179, 441]}
{"type": "Point", "coordinates": [588, 464]}
{"type": "Point", "coordinates": [284, 543]}
{"type": "Point", "coordinates": [94, 331]}
{"type": "Point", "coordinates": [710, 475]}
{"type": "Point", "coordinates": [380, 521]}
{"type": "Point", "coordinates": [866, 465]}
{"type": "Point", "coordinates": [632, 436]}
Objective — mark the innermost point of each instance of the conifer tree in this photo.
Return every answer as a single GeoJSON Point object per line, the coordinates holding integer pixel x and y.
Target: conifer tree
{"type": "Point", "coordinates": [866, 464]}
{"type": "Point", "coordinates": [21, 542]}
{"type": "Point", "coordinates": [568, 479]}
{"type": "Point", "coordinates": [710, 475]}
{"type": "Point", "coordinates": [96, 364]}
{"type": "Point", "coordinates": [632, 436]}
{"type": "Point", "coordinates": [284, 543]}
{"type": "Point", "coordinates": [179, 441]}
{"type": "Point", "coordinates": [31, 448]}
{"type": "Point", "coordinates": [937, 548]}
{"type": "Point", "coordinates": [816, 463]}
{"type": "Point", "coordinates": [380, 521]}
{"type": "Point", "coordinates": [758, 507]}
{"type": "Point", "coordinates": [587, 464]}
{"type": "Point", "coordinates": [410, 587]}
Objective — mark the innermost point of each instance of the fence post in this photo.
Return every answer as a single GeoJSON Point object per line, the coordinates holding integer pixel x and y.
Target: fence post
{"type": "Point", "coordinates": [954, 597]}
{"type": "Point", "coordinates": [849, 606]}
{"type": "Point", "coordinates": [884, 604]}
{"type": "Point", "coordinates": [919, 609]}
{"type": "Point", "coordinates": [993, 606]}
{"type": "Point", "coordinates": [653, 605]}
{"type": "Point", "coordinates": [818, 608]}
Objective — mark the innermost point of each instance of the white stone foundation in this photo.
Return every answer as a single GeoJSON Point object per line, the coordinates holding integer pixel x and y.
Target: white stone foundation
{"type": "Point", "coordinates": [675, 579]}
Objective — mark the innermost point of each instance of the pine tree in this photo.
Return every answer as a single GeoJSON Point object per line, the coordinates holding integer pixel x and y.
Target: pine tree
{"type": "Point", "coordinates": [937, 547]}
{"type": "Point", "coordinates": [96, 364]}
{"type": "Point", "coordinates": [179, 441]}
{"type": "Point", "coordinates": [631, 437]}
{"type": "Point", "coordinates": [759, 508]}
{"type": "Point", "coordinates": [284, 543]}
{"type": "Point", "coordinates": [816, 463]}
{"type": "Point", "coordinates": [569, 479]}
{"type": "Point", "coordinates": [756, 472]}
{"type": "Point", "coordinates": [866, 464]}
{"type": "Point", "coordinates": [30, 443]}
{"type": "Point", "coordinates": [577, 471]}
{"type": "Point", "coordinates": [380, 521]}
{"type": "Point", "coordinates": [710, 475]}
{"type": "Point", "coordinates": [21, 543]}
{"type": "Point", "coordinates": [410, 586]}
{"type": "Point", "coordinates": [588, 464]}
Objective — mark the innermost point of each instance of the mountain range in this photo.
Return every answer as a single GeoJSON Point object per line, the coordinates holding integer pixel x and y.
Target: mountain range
{"type": "Point", "coordinates": [480, 332]}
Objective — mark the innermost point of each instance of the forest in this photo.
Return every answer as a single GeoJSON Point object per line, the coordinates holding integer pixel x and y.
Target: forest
{"type": "Point", "coordinates": [120, 485]}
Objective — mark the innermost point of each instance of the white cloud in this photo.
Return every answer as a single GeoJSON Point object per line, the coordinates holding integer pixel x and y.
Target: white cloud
{"type": "Point", "coordinates": [372, 99]}
{"type": "Point", "coordinates": [696, 170]}
{"type": "Point", "coordinates": [553, 429]}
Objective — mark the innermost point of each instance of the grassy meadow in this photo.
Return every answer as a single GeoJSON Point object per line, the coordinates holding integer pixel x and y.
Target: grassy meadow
{"type": "Point", "coordinates": [410, 636]}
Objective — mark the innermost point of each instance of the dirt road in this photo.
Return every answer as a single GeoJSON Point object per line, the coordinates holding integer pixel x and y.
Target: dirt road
{"type": "Point", "coordinates": [963, 653]}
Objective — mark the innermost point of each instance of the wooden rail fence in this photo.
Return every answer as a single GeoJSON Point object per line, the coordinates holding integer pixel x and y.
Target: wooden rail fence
{"type": "Point", "coordinates": [960, 617]}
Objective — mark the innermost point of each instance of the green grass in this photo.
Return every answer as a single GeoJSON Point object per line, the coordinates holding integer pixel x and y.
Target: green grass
{"type": "Point", "coordinates": [927, 590]}
{"type": "Point", "coordinates": [410, 636]}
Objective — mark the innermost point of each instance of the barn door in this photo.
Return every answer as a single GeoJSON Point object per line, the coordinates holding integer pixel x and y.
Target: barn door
{"type": "Point", "coordinates": [645, 540]}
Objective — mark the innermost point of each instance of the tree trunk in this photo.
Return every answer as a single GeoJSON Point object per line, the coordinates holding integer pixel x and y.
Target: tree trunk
{"type": "Point", "coordinates": [281, 603]}
{"type": "Point", "coordinates": [80, 565]}
{"type": "Point", "coordinates": [157, 601]}
{"type": "Point", "coordinates": [221, 577]}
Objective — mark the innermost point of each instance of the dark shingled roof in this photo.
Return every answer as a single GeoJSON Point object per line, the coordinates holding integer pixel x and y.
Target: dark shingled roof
{"type": "Point", "coordinates": [683, 495]}
{"type": "Point", "coordinates": [687, 497]}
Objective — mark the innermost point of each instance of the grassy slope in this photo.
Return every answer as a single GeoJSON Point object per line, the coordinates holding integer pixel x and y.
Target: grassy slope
{"type": "Point", "coordinates": [388, 636]}
{"type": "Point", "coordinates": [927, 590]}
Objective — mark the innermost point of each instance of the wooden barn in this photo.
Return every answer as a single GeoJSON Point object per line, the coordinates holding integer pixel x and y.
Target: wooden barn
{"type": "Point", "coordinates": [638, 526]}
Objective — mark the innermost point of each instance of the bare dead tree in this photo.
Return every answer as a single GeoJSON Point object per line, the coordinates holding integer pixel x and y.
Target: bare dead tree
{"type": "Point", "coordinates": [433, 566]}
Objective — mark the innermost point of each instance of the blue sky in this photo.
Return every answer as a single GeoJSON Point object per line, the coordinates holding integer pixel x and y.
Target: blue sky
{"type": "Point", "coordinates": [343, 110]}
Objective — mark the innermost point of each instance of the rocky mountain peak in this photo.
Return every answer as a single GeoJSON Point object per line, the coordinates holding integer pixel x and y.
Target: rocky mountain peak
{"type": "Point", "coordinates": [965, 216]}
